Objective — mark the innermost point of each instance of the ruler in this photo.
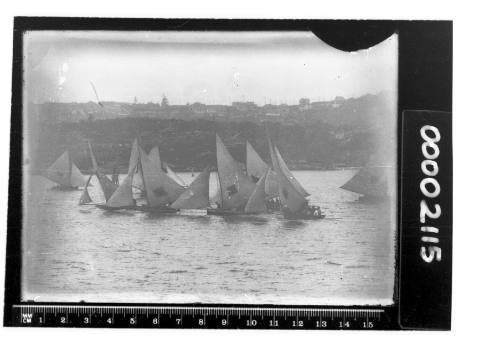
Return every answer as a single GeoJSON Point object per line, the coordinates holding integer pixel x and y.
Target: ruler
{"type": "Point", "coordinates": [202, 317]}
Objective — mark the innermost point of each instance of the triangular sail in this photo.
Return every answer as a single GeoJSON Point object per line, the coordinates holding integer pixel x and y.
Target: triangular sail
{"type": "Point", "coordinates": [154, 155]}
{"type": "Point", "coordinates": [134, 158]}
{"type": "Point", "coordinates": [85, 197]}
{"type": "Point", "coordinates": [289, 174]}
{"type": "Point", "coordinates": [257, 201]}
{"type": "Point", "coordinates": [160, 189]}
{"type": "Point", "coordinates": [77, 179]}
{"type": "Point", "coordinates": [370, 181]}
{"type": "Point", "coordinates": [173, 175]}
{"type": "Point", "coordinates": [236, 187]}
{"type": "Point", "coordinates": [256, 167]}
{"type": "Point", "coordinates": [107, 186]}
{"type": "Point", "coordinates": [122, 197]}
{"type": "Point", "coordinates": [290, 197]}
{"type": "Point", "coordinates": [133, 167]}
{"type": "Point", "coordinates": [60, 170]}
{"type": "Point", "coordinates": [196, 196]}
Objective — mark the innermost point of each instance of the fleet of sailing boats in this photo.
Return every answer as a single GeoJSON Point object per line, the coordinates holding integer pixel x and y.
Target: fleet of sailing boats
{"type": "Point", "coordinates": [261, 188]}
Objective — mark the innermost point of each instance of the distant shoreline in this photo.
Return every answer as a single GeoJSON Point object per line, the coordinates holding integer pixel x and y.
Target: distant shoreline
{"type": "Point", "coordinates": [123, 171]}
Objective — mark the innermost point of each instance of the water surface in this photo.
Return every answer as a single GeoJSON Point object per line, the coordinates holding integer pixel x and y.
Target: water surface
{"type": "Point", "coordinates": [81, 253]}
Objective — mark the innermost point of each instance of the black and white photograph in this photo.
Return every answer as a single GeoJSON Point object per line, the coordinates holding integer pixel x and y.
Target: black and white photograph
{"type": "Point", "coordinates": [228, 167]}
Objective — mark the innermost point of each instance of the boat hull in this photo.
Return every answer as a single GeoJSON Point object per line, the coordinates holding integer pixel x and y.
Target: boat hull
{"type": "Point", "coordinates": [108, 208]}
{"type": "Point", "coordinates": [64, 188]}
{"type": "Point", "coordinates": [301, 215]}
{"type": "Point", "coordinates": [160, 210]}
{"type": "Point", "coordinates": [222, 212]}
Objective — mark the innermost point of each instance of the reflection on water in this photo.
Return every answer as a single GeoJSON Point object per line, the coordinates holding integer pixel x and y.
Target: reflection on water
{"type": "Point", "coordinates": [74, 253]}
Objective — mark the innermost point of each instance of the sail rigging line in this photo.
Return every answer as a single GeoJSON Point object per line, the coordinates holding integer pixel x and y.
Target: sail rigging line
{"type": "Point", "coordinates": [96, 95]}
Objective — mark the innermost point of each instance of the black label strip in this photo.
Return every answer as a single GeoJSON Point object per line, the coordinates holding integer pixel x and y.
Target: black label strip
{"type": "Point", "coordinates": [426, 221]}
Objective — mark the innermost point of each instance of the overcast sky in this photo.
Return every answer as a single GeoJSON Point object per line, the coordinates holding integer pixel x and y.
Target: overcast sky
{"type": "Point", "coordinates": [206, 67]}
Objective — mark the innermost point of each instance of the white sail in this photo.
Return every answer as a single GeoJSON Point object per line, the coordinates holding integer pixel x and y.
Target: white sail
{"type": "Point", "coordinates": [257, 201]}
{"type": "Point", "coordinates": [290, 197]}
{"type": "Point", "coordinates": [107, 186]}
{"type": "Point", "coordinates": [77, 179]}
{"type": "Point", "coordinates": [60, 170]}
{"type": "Point", "coordinates": [133, 167]}
{"type": "Point", "coordinates": [288, 173]}
{"type": "Point", "coordinates": [236, 187]}
{"type": "Point", "coordinates": [160, 189]}
{"type": "Point", "coordinates": [154, 155]}
{"type": "Point", "coordinates": [196, 196]}
{"type": "Point", "coordinates": [122, 197]}
{"type": "Point", "coordinates": [256, 167]}
{"type": "Point", "coordinates": [173, 175]}
{"type": "Point", "coordinates": [134, 158]}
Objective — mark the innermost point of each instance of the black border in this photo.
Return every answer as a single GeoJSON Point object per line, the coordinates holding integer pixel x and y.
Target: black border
{"type": "Point", "coordinates": [424, 83]}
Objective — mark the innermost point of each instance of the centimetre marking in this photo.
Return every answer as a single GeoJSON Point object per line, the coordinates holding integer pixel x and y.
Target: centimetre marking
{"type": "Point", "coordinates": [188, 310]}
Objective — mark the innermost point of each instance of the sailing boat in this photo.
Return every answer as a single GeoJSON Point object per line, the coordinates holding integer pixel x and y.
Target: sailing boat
{"type": "Point", "coordinates": [64, 172]}
{"type": "Point", "coordinates": [294, 204]}
{"type": "Point", "coordinates": [160, 190]}
{"type": "Point", "coordinates": [107, 187]}
{"type": "Point", "coordinates": [196, 196]}
{"type": "Point", "coordinates": [123, 197]}
{"type": "Point", "coordinates": [257, 168]}
{"type": "Point", "coordinates": [235, 186]}
{"type": "Point", "coordinates": [371, 181]}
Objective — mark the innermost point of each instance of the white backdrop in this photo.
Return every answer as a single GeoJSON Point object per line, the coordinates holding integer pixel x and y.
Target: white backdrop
{"type": "Point", "coordinates": [476, 130]}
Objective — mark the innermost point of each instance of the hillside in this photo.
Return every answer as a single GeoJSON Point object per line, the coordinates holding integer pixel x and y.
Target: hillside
{"type": "Point", "coordinates": [326, 138]}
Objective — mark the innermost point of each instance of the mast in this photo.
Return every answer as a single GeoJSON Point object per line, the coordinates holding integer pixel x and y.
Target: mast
{"type": "Point", "coordinates": [218, 175]}
{"type": "Point", "coordinates": [141, 154]}
{"type": "Point", "coordinates": [220, 190]}
{"type": "Point", "coordinates": [70, 164]}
